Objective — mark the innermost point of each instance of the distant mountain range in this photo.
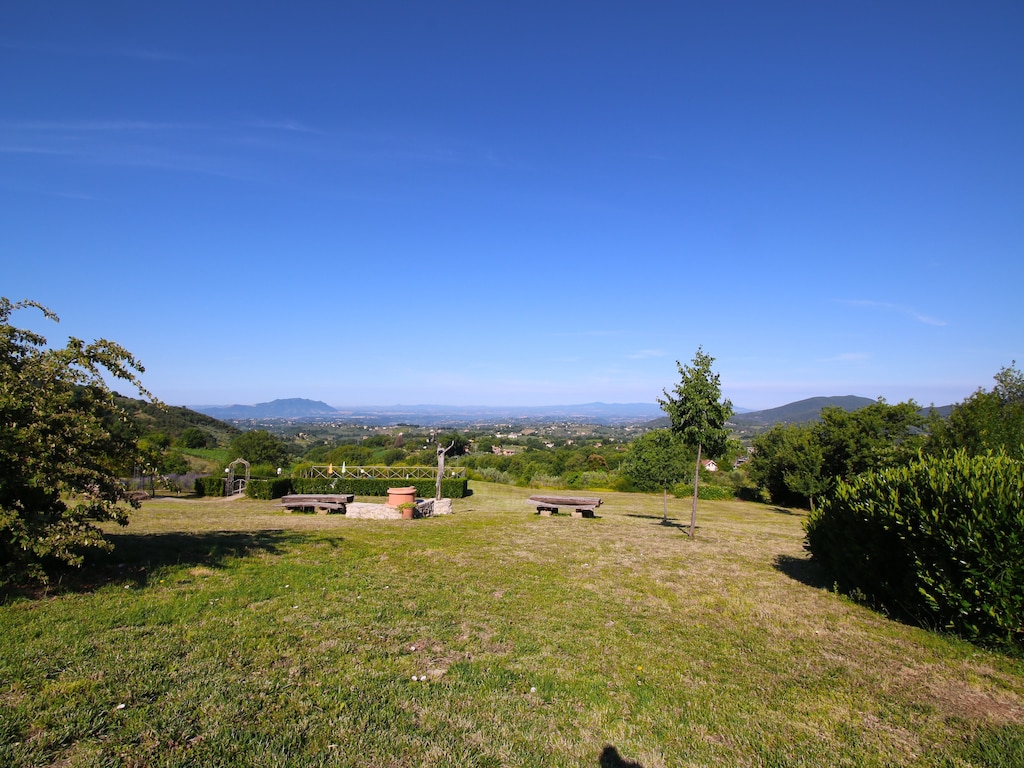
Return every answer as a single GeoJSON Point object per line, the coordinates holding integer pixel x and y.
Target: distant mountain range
{"type": "Point", "coordinates": [298, 409]}
{"type": "Point", "coordinates": [291, 408]}
{"type": "Point", "coordinates": [650, 414]}
{"type": "Point", "coordinates": [800, 412]}
{"type": "Point", "coordinates": [809, 410]}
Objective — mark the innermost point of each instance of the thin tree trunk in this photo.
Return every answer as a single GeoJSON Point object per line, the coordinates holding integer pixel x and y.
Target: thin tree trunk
{"type": "Point", "coordinates": [696, 480]}
{"type": "Point", "coordinates": [440, 467]}
{"type": "Point", "coordinates": [664, 518]}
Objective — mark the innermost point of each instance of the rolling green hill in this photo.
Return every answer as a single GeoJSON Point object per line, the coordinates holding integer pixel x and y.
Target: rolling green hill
{"type": "Point", "coordinates": [800, 412]}
{"type": "Point", "coordinates": [172, 420]}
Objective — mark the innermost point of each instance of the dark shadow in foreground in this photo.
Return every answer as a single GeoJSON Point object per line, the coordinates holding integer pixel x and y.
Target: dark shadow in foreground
{"type": "Point", "coordinates": [802, 569]}
{"type": "Point", "coordinates": [136, 555]}
{"type": "Point", "coordinates": [610, 758]}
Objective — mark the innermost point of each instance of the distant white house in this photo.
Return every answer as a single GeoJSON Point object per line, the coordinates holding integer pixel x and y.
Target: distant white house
{"type": "Point", "coordinates": [709, 465]}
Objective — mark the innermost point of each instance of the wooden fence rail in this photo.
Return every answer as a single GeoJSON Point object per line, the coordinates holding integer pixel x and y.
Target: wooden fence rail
{"type": "Point", "coordinates": [330, 471]}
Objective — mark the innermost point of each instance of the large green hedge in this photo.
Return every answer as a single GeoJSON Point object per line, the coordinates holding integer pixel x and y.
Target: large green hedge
{"type": "Point", "coordinates": [209, 485]}
{"type": "Point", "coordinates": [273, 488]}
{"type": "Point", "coordinates": [940, 540]}
{"type": "Point", "coordinates": [453, 488]}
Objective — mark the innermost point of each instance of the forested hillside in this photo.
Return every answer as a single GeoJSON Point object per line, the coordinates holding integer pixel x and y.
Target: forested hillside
{"type": "Point", "coordinates": [173, 420]}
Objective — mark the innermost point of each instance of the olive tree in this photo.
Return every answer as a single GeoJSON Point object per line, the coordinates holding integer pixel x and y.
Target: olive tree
{"type": "Point", "coordinates": [63, 444]}
{"type": "Point", "coordinates": [698, 414]}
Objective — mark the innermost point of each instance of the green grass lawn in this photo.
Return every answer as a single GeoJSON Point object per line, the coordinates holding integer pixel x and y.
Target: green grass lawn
{"type": "Point", "coordinates": [229, 633]}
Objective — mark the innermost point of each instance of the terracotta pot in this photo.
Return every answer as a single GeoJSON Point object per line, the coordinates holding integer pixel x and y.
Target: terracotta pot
{"type": "Point", "coordinates": [399, 496]}
{"type": "Point", "coordinates": [408, 512]}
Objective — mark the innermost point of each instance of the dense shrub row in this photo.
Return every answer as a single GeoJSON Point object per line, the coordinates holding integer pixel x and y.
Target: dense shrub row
{"type": "Point", "coordinates": [451, 487]}
{"type": "Point", "coordinates": [273, 488]}
{"type": "Point", "coordinates": [210, 485]}
{"type": "Point", "coordinates": [940, 540]}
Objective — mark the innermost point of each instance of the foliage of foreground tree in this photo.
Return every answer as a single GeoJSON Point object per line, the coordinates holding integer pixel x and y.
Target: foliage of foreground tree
{"type": "Point", "coordinates": [63, 443]}
{"type": "Point", "coordinates": [698, 414]}
{"type": "Point", "coordinates": [986, 421]}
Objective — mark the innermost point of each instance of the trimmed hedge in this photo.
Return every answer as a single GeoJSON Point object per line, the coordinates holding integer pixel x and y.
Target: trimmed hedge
{"type": "Point", "coordinates": [271, 488]}
{"type": "Point", "coordinates": [210, 485]}
{"type": "Point", "coordinates": [452, 488]}
{"type": "Point", "coordinates": [275, 488]}
{"type": "Point", "coordinates": [940, 540]}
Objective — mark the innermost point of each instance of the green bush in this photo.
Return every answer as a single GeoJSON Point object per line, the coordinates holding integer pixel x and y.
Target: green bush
{"type": "Point", "coordinates": [454, 487]}
{"type": "Point", "coordinates": [209, 485]}
{"type": "Point", "coordinates": [940, 540]}
{"type": "Point", "coordinates": [492, 475]}
{"type": "Point", "coordinates": [273, 488]}
{"type": "Point", "coordinates": [704, 491]}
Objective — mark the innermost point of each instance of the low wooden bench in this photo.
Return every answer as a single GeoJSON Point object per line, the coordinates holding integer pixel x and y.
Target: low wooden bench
{"type": "Point", "coordinates": [323, 502]}
{"type": "Point", "coordinates": [548, 505]}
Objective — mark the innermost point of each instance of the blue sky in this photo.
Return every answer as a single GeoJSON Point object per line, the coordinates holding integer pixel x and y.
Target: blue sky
{"type": "Point", "coordinates": [523, 203]}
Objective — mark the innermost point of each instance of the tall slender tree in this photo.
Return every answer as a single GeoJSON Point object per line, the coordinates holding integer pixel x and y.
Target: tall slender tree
{"type": "Point", "coordinates": [698, 414]}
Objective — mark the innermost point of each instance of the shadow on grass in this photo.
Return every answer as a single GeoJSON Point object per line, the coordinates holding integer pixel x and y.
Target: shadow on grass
{"type": "Point", "coordinates": [802, 569]}
{"type": "Point", "coordinates": [784, 511]}
{"type": "Point", "coordinates": [660, 520]}
{"type": "Point", "coordinates": [136, 555]}
{"type": "Point", "coordinates": [610, 758]}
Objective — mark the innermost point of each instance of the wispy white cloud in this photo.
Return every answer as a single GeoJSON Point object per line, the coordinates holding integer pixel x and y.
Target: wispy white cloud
{"type": "Point", "coordinates": [892, 307]}
{"type": "Point", "coordinates": [22, 149]}
{"type": "Point", "coordinates": [211, 146]}
{"type": "Point", "coordinates": [183, 147]}
{"type": "Point", "coordinates": [291, 126]}
{"type": "Point", "coordinates": [148, 54]}
{"type": "Point", "coordinates": [64, 127]}
{"type": "Point", "coordinates": [137, 53]}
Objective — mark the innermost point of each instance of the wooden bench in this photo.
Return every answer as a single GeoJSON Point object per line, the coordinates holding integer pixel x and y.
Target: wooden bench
{"type": "Point", "coordinates": [323, 502]}
{"type": "Point", "coordinates": [548, 505]}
